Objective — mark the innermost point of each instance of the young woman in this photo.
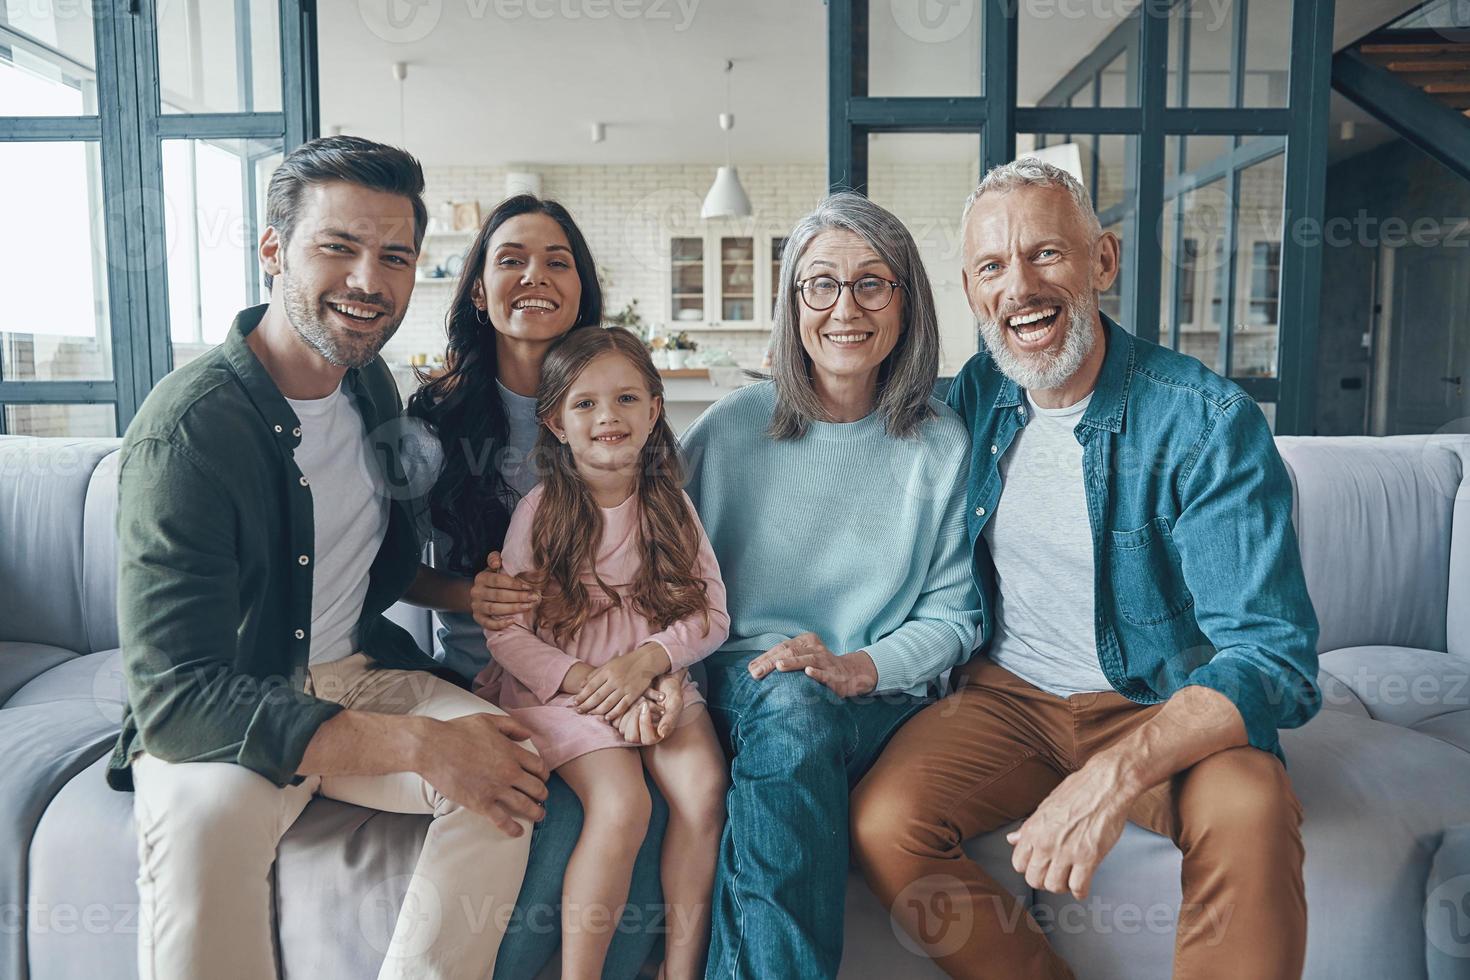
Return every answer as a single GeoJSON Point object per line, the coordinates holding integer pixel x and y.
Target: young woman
{"type": "Point", "coordinates": [631, 591]}
{"type": "Point", "coordinates": [528, 280]}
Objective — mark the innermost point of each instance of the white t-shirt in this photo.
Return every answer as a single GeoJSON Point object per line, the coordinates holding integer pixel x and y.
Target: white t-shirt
{"type": "Point", "coordinates": [350, 514]}
{"type": "Point", "coordinates": [1041, 544]}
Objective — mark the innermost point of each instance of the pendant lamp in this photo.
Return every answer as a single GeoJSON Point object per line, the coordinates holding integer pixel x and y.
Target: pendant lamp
{"type": "Point", "coordinates": [726, 198]}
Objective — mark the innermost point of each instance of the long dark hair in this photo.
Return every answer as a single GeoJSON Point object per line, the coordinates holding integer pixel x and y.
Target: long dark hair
{"type": "Point", "coordinates": [567, 531]}
{"type": "Point", "coordinates": [471, 502]}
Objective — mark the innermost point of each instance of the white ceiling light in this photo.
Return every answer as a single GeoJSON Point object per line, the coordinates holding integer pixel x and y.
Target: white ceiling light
{"type": "Point", "coordinates": [726, 198]}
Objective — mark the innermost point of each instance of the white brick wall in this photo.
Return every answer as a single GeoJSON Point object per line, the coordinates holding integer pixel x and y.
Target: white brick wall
{"type": "Point", "coordinates": [629, 213]}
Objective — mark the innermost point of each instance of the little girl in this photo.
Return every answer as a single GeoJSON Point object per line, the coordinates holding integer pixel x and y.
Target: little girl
{"type": "Point", "coordinates": [631, 596]}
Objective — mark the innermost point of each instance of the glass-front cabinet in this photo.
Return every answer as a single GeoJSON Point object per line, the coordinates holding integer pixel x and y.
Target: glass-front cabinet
{"type": "Point", "coordinates": [722, 282]}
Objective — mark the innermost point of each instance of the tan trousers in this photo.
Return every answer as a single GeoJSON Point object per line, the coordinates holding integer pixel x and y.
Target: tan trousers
{"type": "Point", "coordinates": [207, 836]}
{"type": "Point", "coordinates": [991, 752]}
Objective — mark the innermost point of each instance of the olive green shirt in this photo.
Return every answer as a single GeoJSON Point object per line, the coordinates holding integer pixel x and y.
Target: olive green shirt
{"type": "Point", "coordinates": [215, 543]}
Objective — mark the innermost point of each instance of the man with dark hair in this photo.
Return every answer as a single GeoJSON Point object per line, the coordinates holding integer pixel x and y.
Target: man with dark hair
{"type": "Point", "coordinates": [260, 545]}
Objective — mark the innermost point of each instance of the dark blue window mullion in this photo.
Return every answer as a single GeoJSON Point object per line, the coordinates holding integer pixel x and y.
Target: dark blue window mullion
{"type": "Point", "coordinates": [1305, 185]}
{"type": "Point", "coordinates": [150, 186]}
{"type": "Point", "coordinates": [998, 68]}
{"type": "Point", "coordinates": [847, 47]}
{"type": "Point", "coordinates": [1146, 258]}
{"type": "Point", "coordinates": [1232, 191]}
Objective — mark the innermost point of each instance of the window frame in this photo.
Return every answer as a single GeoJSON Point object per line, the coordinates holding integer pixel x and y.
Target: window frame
{"type": "Point", "coordinates": [1302, 126]}
{"type": "Point", "coordinates": [130, 128]}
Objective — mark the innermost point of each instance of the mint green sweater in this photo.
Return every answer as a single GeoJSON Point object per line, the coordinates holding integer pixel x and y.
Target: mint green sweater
{"type": "Point", "coordinates": [847, 532]}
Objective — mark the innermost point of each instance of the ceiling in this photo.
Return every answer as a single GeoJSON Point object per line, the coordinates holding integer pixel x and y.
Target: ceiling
{"type": "Point", "coordinates": [522, 81]}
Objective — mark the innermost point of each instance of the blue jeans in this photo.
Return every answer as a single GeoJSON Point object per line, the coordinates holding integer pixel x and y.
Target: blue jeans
{"type": "Point", "coordinates": [797, 750]}
{"type": "Point", "coordinates": [534, 932]}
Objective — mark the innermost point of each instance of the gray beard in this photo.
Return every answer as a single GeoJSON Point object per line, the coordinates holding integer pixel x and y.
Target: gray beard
{"type": "Point", "coordinates": [1045, 369]}
{"type": "Point", "coordinates": [336, 348]}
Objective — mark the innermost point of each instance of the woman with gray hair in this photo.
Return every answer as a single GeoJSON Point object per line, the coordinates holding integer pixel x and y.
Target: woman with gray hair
{"type": "Point", "coordinates": [834, 497]}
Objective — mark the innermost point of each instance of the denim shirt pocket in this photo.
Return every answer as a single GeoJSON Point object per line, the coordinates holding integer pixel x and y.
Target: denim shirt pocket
{"type": "Point", "coordinates": [1148, 579]}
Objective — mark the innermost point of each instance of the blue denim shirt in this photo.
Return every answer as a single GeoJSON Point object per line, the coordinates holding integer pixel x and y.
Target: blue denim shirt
{"type": "Point", "coordinates": [1197, 576]}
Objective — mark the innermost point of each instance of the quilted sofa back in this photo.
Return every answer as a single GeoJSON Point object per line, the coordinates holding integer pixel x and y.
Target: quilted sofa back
{"type": "Point", "coordinates": [58, 542]}
{"type": "Point", "coordinates": [1384, 526]}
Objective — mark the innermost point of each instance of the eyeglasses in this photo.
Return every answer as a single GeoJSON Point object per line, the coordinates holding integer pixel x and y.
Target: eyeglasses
{"type": "Point", "coordinates": [872, 293]}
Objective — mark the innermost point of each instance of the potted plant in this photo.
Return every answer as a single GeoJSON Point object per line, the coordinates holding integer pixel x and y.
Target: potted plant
{"type": "Point", "coordinates": [680, 347]}
{"type": "Point", "coordinates": [658, 351]}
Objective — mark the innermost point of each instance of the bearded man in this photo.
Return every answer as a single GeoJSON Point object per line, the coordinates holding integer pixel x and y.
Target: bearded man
{"type": "Point", "coordinates": [259, 547]}
{"type": "Point", "coordinates": [1146, 628]}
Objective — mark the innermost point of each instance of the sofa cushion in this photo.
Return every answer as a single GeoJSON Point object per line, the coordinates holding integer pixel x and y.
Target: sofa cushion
{"type": "Point", "coordinates": [1399, 685]}
{"type": "Point", "coordinates": [20, 662]}
{"type": "Point", "coordinates": [99, 556]}
{"type": "Point", "coordinates": [1458, 445]}
{"type": "Point", "coordinates": [44, 746]}
{"type": "Point", "coordinates": [1452, 727]}
{"type": "Point", "coordinates": [95, 679]}
{"type": "Point", "coordinates": [83, 921]}
{"type": "Point", "coordinates": [1376, 799]}
{"type": "Point", "coordinates": [43, 492]}
{"type": "Point", "coordinates": [1373, 517]}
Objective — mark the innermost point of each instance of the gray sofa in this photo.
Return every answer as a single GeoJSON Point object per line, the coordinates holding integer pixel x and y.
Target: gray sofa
{"type": "Point", "coordinates": [1383, 772]}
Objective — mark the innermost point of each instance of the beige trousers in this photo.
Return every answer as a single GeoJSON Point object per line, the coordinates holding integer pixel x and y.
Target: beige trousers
{"type": "Point", "coordinates": [207, 836]}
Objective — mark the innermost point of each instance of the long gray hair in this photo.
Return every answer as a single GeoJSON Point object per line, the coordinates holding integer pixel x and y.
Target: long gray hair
{"type": "Point", "coordinates": [906, 377]}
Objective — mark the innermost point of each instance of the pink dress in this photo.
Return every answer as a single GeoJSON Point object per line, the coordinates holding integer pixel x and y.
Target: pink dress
{"type": "Point", "coordinates": [529, 685]}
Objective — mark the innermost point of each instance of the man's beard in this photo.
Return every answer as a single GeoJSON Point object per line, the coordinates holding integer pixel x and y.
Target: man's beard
{"type": "Point", "coordinates": [1046, 368]}
{"type": "Point", "coordinates": [338, 347]}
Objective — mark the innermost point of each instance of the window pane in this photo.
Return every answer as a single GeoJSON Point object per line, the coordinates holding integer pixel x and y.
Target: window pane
{"type": "Point", "coordinates": [919, 47]}
{"type": "Point", "coordinates": [1199, 218]}
{"type": "Point", "coordinates": [1258, 269]}
{"type": "Point", "coordinates": [1208, 29]}
{"type": "Point", "coordinates": [88, 421]}
{"type": "Point", "coordinates": [1113, 87]}
{"type": "Point", "coordinates": [1053, 39]}
{"type": "Point", "coordinates": [214, 194]}
{"type": "Point", "coordinates": [47, 64]}
{"type": "Point", "coordinates": [53, 265]}
{"type": "Point", "coordinates": [924, 179]}
{"type": "Point", "coordinates": [211, 61]}
{"type": "Point", "coordinates": [1267, 54]}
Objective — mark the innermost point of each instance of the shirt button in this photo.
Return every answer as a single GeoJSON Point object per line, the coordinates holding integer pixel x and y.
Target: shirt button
{"type": "Point", "coordinates": [296, 431]}
{"type": "Point", "coordinates": [278, 428]}
{"type": "Point", "coordinates": [303, 481]}
{"type": "Point", "coordinates": [1021, 411]}
{"type": "Point", "coordinates": [979, 511]}
{"type": "Point", "coordinates": [302, 560]}
{"type": "Point", "coordinates": [301, 634]}
{"type": "Point", "coordinates": [994, 450]}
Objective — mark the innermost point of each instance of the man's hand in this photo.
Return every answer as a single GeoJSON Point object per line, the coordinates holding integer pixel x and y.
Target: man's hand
{"type": "Point", "coordinates": [668, 692]}
{"type": "Point", "coordinates": [616, 686]}
{"type": "Point", "coordinates": [1060, 845]}
{"type": "Point", "coordinates": [849, 676]}
{"type": "Point", "coordinates": [474, 760]}
{"type": "Point", "coordinates": [496, 598]}
{"type": "Point", "coordinates": [639, 724]}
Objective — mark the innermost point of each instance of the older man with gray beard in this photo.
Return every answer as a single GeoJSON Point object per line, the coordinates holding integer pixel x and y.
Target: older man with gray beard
{"type": "Point", "coordinates": [1146, 627]}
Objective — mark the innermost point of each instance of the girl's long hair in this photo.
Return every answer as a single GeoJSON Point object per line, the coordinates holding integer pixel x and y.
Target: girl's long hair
{"type": "Point", "coordinates": [568, 528]}
{"type": "Point", "coordinates": [470, 502]}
